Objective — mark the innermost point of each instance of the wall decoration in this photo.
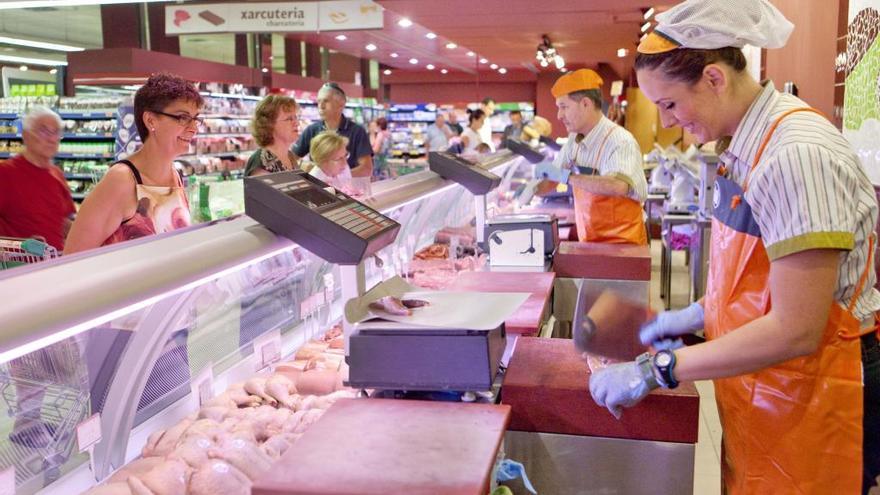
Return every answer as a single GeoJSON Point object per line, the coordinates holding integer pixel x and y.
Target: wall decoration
{"type": "Point", "coordinates": [861, 64]}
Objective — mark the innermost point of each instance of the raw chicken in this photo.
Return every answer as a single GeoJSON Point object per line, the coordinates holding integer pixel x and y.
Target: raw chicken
{"type": "Point", "coordinates": [216, 413]}
{"type": "Point", "coordinates": [193, 450]}
{"type": "Point", "coordinates": [237, 393]}
{"type": "Point", "coordinates": [310, 350]}
{"type": "Point", "coordinates": [278, 444]}
{"type": "Point", "coordinates": [137, 487]}
{"type": "Point", "coordinates": [120, 488]}
{"type": "Point", "coordinates": [168, 478]}
{"type": "Point", "coordinates": [136, 467]}
{"type": "Point", "coordinates": [206, 428]}
{"type": "Point", "coordinates": [390, 305]}
{"type": "Point", "coordinates": [219, 478]}
{"type": "Point", "coordinates": [293, 422]}
{"type": "Point", "coordinates": [257, 386]}
{"type": "Point", "coordinates": [308, 419]}
{"type": "Point", "coordinates": [280, 387]}
{"type": "Point", "coordinates": [166, 441]}
{"type": "Point", "coordinates": [317, 382]}
{"type": "Point", "coordinates": [244, 455]}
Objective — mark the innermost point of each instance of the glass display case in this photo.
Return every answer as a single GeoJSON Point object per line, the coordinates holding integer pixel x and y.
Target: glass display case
{"type": "Point", "coordinates": [125, 330]}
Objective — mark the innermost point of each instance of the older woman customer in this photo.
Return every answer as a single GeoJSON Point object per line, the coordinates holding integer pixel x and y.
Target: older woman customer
{"type": "Point", "coordinates": [144, 195]}
{"type": "Point", "coordinates": [329, 152]}
{"type": "Point", "coordinates": [275, 128]}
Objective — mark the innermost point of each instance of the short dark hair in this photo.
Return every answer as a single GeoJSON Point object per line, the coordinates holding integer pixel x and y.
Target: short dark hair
{"type": "Point", "coordinates": [516, 112]}
{"type": "Point", "coordinates": [687, 64]}
{"type": "Point", "coordinates": [157, 93]}
{"type": "Point", "coordinates": [488, 100]}
{"type": "Point", "coordinates": [593, 94]}
{"type": "Point", "coordinates": [382, 122]}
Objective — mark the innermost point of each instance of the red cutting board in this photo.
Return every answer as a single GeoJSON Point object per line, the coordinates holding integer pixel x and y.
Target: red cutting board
{"type": "Point", "coordinates": [388, 446]}
{"type": "Point", "coordinates": [528, 318]}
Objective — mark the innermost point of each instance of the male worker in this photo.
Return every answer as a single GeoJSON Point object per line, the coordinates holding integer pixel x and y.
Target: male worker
{"type": "Point", "coordinates": [331, 103]}
{"type": "Point", "coordinates": [488, 107]}
{"type": "Point", "coordinates": [601, 161]}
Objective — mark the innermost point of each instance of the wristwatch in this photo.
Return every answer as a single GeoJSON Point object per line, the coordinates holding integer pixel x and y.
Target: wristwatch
{"type": "Point", "coordinates": [643, 361]}
{"type": "Point", "coordinates": [664, 363]}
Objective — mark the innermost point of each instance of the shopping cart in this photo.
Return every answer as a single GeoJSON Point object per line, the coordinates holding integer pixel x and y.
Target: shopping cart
{"type": "Point", "coordinates": [15, 252]}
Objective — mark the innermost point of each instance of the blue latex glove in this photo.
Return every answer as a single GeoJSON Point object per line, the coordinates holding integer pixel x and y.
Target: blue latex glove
{"type": "Point", "coordinates": [621, 385]}
{"type": "Point", "coordinates": [665, 331]}
{"type": "Point", "coordinates": [509, 470]}
{"type": "Point", "coordinates": [546, 170]}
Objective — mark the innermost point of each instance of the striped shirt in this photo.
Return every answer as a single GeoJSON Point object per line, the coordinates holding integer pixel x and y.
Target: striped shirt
{"type": "Point", "coordinates": [808, 192]}
{"type": "Point", "coordinates": [621, 156]}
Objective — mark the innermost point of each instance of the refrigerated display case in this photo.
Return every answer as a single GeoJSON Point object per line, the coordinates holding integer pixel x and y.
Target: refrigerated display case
{"type": "Point", "coordinates": [125, 330]}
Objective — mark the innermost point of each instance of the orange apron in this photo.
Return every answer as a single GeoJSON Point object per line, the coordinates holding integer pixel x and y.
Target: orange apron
{"type": "Point", "coordinates": [610, 219]}
{"type": "Point", "coordinates": [795, 427]}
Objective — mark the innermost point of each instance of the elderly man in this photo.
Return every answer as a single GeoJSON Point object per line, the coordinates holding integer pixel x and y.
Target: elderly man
{"type": "Point", "coordinates": [34, 198]}
{"type": "Point", "coordinates": [438, 134]}
{"type": "Point", "coordinates": [331, 103]}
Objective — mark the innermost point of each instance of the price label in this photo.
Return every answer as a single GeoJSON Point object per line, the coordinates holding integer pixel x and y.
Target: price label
{"type": "Point", "coordinates": [7, 481]}
{"type": "Point", "coordinates": [267, 349]}
{"type": "Point", "coordinates": [88, 433]}
{"type": "Point", "coordinates": [202, 386]}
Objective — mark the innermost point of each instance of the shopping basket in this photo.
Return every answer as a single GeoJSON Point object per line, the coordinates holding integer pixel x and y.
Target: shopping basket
{"type": "Point", "coordinates": [16, 252]}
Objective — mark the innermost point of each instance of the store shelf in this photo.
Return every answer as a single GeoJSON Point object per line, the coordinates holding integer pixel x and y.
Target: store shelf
{"type": "Point", "coordinates": [87, 115]}
{"type": "Point", "coordinates": [70, 176]}
{"type": "Point", "coordinates": [85, 156]}
{"type": "Point", "coordinates": [78, 196]}
{"type": "Point", "coordinates": [221, 154]}
{"type": "Point", "coordinates": [9, 115]}
{"type": "Point", "coordinates": [223, 134]}
{"type": "Point", "coordinates": [106, 135]}
{"type": "Point", "coordinates": [10, 136]}
{"type": "Point", "coordinates": [226, 116]}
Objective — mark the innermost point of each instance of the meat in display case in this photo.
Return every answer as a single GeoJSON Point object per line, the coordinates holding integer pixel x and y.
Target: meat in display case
{"type": "Point", "coordinates": [198, 348]}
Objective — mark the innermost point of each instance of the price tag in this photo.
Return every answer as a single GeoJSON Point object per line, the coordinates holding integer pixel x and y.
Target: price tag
{"type": "Point", "coordinates": [7, 481]}
{"type": "Point", "coordinates": [267, 349]}
{"type": "Point", "coordinates": [88, 433]}
{"type": "Point", "coordinates": [329, 287]}
{"type": "Point", "coordinates": [202, 386]}
{"type": "Point", "coordinates": [320, 298]}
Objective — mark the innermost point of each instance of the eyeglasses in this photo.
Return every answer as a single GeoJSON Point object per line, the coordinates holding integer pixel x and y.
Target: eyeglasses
{"type": "Point", "coordinates": [334, 87]}
{"type": "Point", "coordinates": [48, 132]}
{"type": "Point", "coordinates": [185, 120]}
{"type": "Point", "coordinates": [343, 158]}
{"type": "Point", "coordinates": [292, 118]}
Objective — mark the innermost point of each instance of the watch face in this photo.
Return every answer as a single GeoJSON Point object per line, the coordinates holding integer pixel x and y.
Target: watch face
{"type": "Point", "coordinates": [663, 359]}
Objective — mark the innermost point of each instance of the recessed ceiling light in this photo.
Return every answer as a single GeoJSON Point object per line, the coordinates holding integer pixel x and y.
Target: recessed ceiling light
{"type": "Point", "coordinates": [622, 52]}
{"type": "Point", "coordinates": [404, 22]}
{"type": "Point", "coordinates": [471, 54]}
{"type": "Point", "coordinates": [53, 71]}
{"type": "Point", "coordinates": [430, 36]}
{"type": "Point", "coordinates": [443, 71]}
{"type": "Point", "coordinates": [451, 46]}
{"type": "Point", "coordinates": [33, 61]}
{"type": "Point", "coordinates": [483, 61]}
{"type": "Point", "coordinates": [371, 47]}
{"type": "Point", "coordinates": [23, 67]}
{"type": "Point", "coordinates": [493, 66]}
{"type": "Point", "coordinates": [387, 72]}
{"type": "Point", "coordinates": [414, 61]}
{"type": "Point", "coordinates": [502, 71]}
{"type": "Point", "coordinates": [39, 44]}
{"type": "Point", "coordinates": [430, 66]}
{"type": "Point", "coordinates": [394, 55]}
{"type": "Point", "coordinates": [265, 69]}
{"type": "Point", "coordinates": [341, 37]}
{"type": "Point", "coordinates": [646, 26]}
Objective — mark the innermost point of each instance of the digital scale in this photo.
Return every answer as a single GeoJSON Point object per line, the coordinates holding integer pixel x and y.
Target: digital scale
{"type": "Point", "coordinates": [319, 218]}
{"type": "Point", "coordinates": [521, 239]}
{"type": "Point", "coordinates": [524, 150]}
{"type": "Point", "coordinates": [474, 176]}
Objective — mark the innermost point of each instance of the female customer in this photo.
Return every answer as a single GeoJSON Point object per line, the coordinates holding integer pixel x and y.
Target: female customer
{"type": "Point", "coordinates": [380, 141]}
{"type": "Point", "coordinates": [144, 195]}
{"type": "Point", "coordinates": [789, 310]}
{"type": "Point", "coordinates": [470, 138]}
{"type": "Point", "coordinates": [330, 156]}
{"type": "Point", "coordinates": [275, 128]}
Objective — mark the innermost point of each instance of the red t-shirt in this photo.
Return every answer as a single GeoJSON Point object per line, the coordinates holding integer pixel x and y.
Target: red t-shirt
{"type": "Point", "coordinates": [33, 201]}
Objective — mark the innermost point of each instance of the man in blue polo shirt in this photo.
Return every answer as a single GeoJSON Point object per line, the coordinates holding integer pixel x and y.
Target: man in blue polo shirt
{"type": "Point", "coordinates": [331, 102]}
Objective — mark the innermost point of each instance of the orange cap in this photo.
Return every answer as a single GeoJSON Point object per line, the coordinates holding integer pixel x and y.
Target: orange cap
{"type": "Point", "coordinates": [656, 42]}
{"type": "Point", "coordinates": [579, 80]}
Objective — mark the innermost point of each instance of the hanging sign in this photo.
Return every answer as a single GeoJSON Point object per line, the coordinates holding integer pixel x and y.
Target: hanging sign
{"type": "Point", "coordinates": [272, 17]}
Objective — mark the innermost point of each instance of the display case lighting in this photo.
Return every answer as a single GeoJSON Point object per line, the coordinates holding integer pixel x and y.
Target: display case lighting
{"type": "Point", "coordinates": [30, 4]}
{"type": "Point", "coordinates": [53, 71]}
{"type": "Point", "coordinates": [649, 13]}
{"type": "Point", "coordinates": [5, 40]}
{"type": "Point", "coordinates": [23, 68]}
{"type": "Point", "coordinates": [32, 61]}
{"type": "Point", "coordinates": [404, 22]}
{"type": "Point", "coordinates": [646, 26]}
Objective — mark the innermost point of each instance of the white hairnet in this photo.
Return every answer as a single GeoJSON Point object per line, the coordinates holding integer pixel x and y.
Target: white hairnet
{"type": "Point", "coordinates": [712, 24]}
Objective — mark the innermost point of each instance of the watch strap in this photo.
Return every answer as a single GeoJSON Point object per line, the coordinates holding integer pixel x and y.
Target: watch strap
{"type": "Point", "coordinates": [646, 368]}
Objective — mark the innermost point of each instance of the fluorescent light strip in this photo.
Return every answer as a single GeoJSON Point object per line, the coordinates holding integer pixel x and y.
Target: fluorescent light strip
{"type": "Point", "coordinates": [39, 44]}
{"type": "Point", "coordinates": [33, 61]}
{"type": "Point", "coordinates": [48, 340]}
{"type": "Point", "coordinates": [29, 4]}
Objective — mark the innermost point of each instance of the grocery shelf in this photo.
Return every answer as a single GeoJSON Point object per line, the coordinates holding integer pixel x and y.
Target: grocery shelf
{"type": "Point", "coordinates": [70, 176]}
{"type": "Point", "coordinates": [86, 156]}
{"type": "Point", "coordinates": [106, 135]}
{"type": "Point", "coordinates": [220, 154]}
{"type": "Point", "coordinates": [87, 115]}
{"type": "Point", "coordinates": [225, 116]}
{"type": "Point", "coordinates": [222, 134]}
{"type": "Point", "coordinates": [10, 136]}
{"type": "Point", "coordinates": [78, 196]}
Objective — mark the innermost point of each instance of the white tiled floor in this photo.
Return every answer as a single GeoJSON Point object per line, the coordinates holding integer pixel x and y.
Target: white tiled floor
{"type": "Point", "coordinates": [707, 467]}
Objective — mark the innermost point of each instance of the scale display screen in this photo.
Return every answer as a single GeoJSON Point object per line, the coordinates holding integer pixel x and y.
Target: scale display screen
{"type": "Point", "coordinates": [313, 198]}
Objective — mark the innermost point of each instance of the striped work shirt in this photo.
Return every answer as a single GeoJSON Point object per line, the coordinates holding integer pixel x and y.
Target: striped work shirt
{"type": "Point", "coordinates": [809, 191]}
{"type": "Point", "coordinates": [620, 158]}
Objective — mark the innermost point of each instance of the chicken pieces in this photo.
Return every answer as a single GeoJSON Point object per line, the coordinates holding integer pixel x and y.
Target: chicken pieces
{"type": "Point", "coordinates": [219, 478]}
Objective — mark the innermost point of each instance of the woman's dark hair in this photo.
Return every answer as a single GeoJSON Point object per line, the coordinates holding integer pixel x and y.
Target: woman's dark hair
{"type": "Point", "coordinates": [475, 115]}
{"type": "Point", "coordinates": [687, 64]}
{"type": "Point", "coordinates": [158, 92]}
{"type": "Point", "coordinates": [382, 122]}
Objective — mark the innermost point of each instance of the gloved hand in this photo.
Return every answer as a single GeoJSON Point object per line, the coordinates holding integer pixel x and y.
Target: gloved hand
{"type": "Point", "coordinates": [665, 331]}
{"type": "Point", "coordinates": [546, 170]}
{"type": "Point", "coordinates": [621, 385]}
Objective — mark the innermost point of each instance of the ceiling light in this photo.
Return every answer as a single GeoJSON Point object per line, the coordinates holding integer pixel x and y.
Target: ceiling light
{"type": "Point", "coordinates": [23, 67]}
{"type": "Point", "coordinates": [430, 66]}
{"type": "Point", "coordinates": [649, 13]}
{"type": "Point", "coordinates": [414, 61]}
{"type": "Point", "coordinates": [29, 4]}
{"type": "Point", "coordinates": [265, 69]}
{"type": "Point", "coordinates": [544, 63]}
{"type": "Point", "coordinates": [53, 71]}
{"type": "Point", "coordinates": [560, 62]}
{"type": "Point", "coordinates": [39, 44]}
{"type": "Point", "coordinates": [622, 52]}
{"type": "Point", "coordinates": [444, 71]}
{"type": "Point", "coordinates": [387, 72]}
{"type": "Point", "coordinates": [483, 61]}
{"type": "Point", "coordinates": [341, 37]}
{"type": "Point", "coordinates": [451, 46]}
{"type": "Point", "coordinates": [430, 36]}
{"type": "Point", "coordinates": [502, 71]}
{"type": "Point", "coordinates": [646, 26]}
{"type": "Point", "coordinates": [563, 69]}
{"type": "Point", "coordinates": [404, 22]}
{"type": "Point", "coordinates": [32, 61]}
{"type": "Point", "coordinates": [471, 54]}
{"type": "Point", "coordinates": [370, 47]}
{"type": "Point", "coordinates": [394, 55]}
{"type": "Point", "coordinates": [493, 66]}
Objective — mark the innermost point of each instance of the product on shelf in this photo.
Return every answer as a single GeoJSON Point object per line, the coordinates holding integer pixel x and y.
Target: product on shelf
{"type": "Point", "coordinates": [20, 104]}
{"type": "Point", "coordinates": [76, 104]}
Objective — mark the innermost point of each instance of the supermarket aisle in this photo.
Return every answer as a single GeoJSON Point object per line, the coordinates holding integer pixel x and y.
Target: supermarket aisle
{"type": "Point", "coordinates": [707, 468]}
